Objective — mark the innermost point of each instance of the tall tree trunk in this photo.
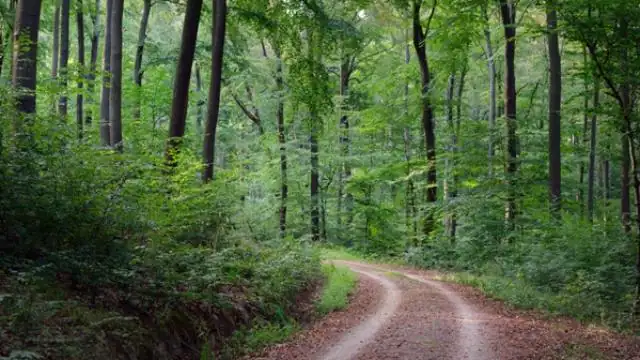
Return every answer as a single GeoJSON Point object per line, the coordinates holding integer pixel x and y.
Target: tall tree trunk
{"type": "Point", "coordinates": [180, 101]}
{"type": "Point", "coordinates": [24, 67]}
{"type": "Point", "coordinates": [82, 70]}
{"type": "Point", "coordinates": [448, 181]}
{"type": "Point", "coordinates": [284, 187]}
{"type": "Point", "coordinates": [508, 13]}
{"type": "Point", "coordinates": [55, 56]}
{"type": "Point", "coordinates": [200, 104]}
{"type": "Point", "coordinates": [555, 97]}
{"type": "Point", "coordinates": [454, 156]}
{"type": "Point", "coordinates": [91, 78]}
{"type": "Point", "coordinates": [137, 70]}
{"type": "Point", "coordinates": [2, 47]}
{"type": "Point", "coordinates": [419, 42]}
{"type": "Point", "coordinates": [410, 200]}
{"type": "Point", "coordinates": [491, 66]}
{"type": "Point", "coordinates": [625, 202]}
{"type": "Point", "coordinates": [592, 152]}
{"type": "Point", "coordinates": [315, 179]}
{"type": "Point", "coordinates": [115, 93]}
{"type": "Point", "coordinates": [217, 57]}
{"type": "Point", "coordinates": [64, 56]}
{"type": "Point", "coordinates": [345, 76]}
{"type": "Point", "coordinates": [105, 123]}
{"type": "Point", "coordinates": [585, 128]}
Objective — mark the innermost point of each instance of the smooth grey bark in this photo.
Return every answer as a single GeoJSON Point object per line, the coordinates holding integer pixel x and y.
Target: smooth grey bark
{"type": "Point", "coordinates": [91, 77]}
{"type": "Point", "coordinates": [217, 56]}
{"type": "Point", "coordinates": [82, 75]}
{"type": "Point", "coordinates": [55, 56]}
{"type": "Point", "coordinates": [64, 57]}
{"type": "Point", "coordinates": [180, 101]}
{"type": "Point", "coordinates": [24, 69]}
{"type": "Point", "coordinates": [105, 123]}
{"type": "Point", "coordinates": [115, 93]}
{"type": "Point", "coordinates": [137, 70]}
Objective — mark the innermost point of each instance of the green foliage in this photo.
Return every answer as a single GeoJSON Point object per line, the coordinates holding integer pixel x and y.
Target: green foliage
{"type": "Point", "coordinates": [340, 283]}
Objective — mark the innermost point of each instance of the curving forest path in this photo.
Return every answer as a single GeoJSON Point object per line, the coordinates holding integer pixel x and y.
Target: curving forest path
{"type": "Point", "coordinates": [399, 313]}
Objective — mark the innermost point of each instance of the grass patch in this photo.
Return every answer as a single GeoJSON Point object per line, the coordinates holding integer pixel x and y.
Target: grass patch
{"type": "Point", "coordinates": [254, 339]}
{"type": "Point", "coordinates": [334, 252]}
{"type": "Point", "coordinates": [340, 283]}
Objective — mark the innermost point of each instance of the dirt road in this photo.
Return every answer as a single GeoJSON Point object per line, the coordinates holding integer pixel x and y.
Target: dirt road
{"type": "Point", "coordinates": [406, 314]}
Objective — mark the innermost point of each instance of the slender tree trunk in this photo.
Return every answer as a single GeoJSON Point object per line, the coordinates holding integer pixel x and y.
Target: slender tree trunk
{"type": "Point", "coordinates": [115, 93]}
{"type": "Point", "coordinates": [625, 203]}
{"type": "Point", "coordinates": [592, 152]}
{"type": "Point", "coordinates": [419, 42]}
{"type": "Point", "coordinates": [105, 123]}
{"type": "Point", "coordinates": [606, 170]}
{"type": "Point", "coordinates": [555, 97]}
{"type": "Point", "coordinates": [448, 181]}
{"type": "Point", "coordinates": [585, 128]}
{"type": "Point", "coordinates": [91, 78]}
{"type": "Point", "coordinates": [315, 177]}
{"type": "Point", "coordinates": [345, 77]}
{"type": "Point", "coordinates": [507, 11]}
{"type": "Point", "coordinates": [64, 56]}
{"type": "Point", "coordinates": [55, 56]}
{"type": "Point", "coordinates": [454, 143]}
{"type": "Point", "coordinates": [217, 56]}
{"type": "Point", "coordinates": [180, 101]}
{"type": "Point", "coordinates": [137, 71]}
{"type": "Point", "coordinates": [24, 67]}
{"type": "Point", "coordinates": [82, 71]}
{"type": "Point", "coordinates": [491, 65]}
{"type": "Point", "coordinates": [200, 104]}
{"type": "Point", "coordinates": [284, 189]}
{"type": "Point", "coordinates": [2, 47]}
{"type": "Point", "coordinates": [410, 200]}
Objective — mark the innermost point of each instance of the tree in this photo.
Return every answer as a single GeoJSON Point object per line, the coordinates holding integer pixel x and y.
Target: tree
{"type": "Point", "coordinates": [508, 14]}
{"type": "Point", "coordinates": [183, 76]}
{"type": "Point", "coordinates": [24, 70]}
{"type": "Point", "coordinates": [555, 99]}
{"type": "Point", "coordinates": [419, 42]}
{"type": "Point", "coordinates": [115, 92]}
{"type": "Point", "coordinates": [64, 56]}
{"type": "Point", "coordinates": [91, 78]}
{"type": "Point", "coordinates": [282, 140]}
{"type": "Point", "coordinates": [213, 111]}
{"type": "Point", "coordinates": [105, 123]}
{"type": "Point", "coordinates": [592, 152]}
{"type": "Point", "coordinates": [80, 96]}
{"type": "Point", "coordinates": [55, 56]}
{"type": "Point", "coordinates": [491, 67]}
{"type": "Point", "coordinates": [137, 70]}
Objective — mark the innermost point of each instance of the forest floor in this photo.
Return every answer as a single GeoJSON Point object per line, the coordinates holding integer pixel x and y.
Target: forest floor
{"type": "Point", "coordinates": [404, 313]}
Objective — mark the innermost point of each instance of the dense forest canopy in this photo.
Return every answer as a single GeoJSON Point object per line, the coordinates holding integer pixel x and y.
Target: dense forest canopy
{"type": "Point", "coordinates": [146, 143]}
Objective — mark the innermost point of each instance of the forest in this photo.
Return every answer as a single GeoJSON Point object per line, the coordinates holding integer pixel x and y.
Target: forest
{"type": "Point", "coordinates": [169, 169]}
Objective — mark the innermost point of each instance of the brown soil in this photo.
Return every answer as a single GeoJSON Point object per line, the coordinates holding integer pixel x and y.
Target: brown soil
{"type": "Point", "coordinates": [421, 318]}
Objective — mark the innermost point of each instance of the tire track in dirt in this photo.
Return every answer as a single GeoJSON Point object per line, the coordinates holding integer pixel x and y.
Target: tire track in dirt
{"type": "Point", "coordinates": [459, 324]}
{"type": "Point", "coordinates": [356, 339]}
